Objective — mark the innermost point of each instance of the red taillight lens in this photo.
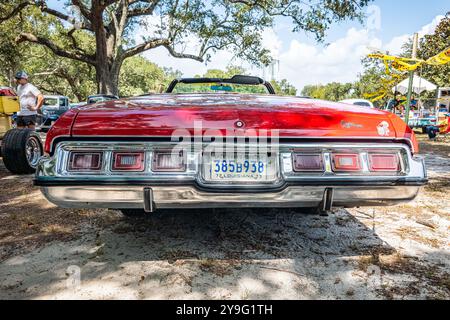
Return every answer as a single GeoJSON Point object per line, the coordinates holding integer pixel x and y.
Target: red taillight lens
{"type": "Point", "coordinates": [168, 161]}
{"type": "Point", "coordinates": [308, 162]}
{"type": "Point", "coordinates": [346, 162]}
{"type": "Point", "coordinates": [384, 162]}
{"type": "Point", "coordinates": [85, 161]}
{"type": "Point", "coordinates": [128, 161]}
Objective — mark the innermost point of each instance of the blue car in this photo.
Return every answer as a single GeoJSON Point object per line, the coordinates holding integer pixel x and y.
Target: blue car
{"type": "Point", "coordinates": [52, 108]}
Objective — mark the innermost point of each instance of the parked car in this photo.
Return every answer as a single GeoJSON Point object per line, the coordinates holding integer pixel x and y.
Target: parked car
{"type": "Point", "coordinates": [359, 102]}
{"type": "Point", "coordinates": [419, 119]}
{"type": "Point", "coordinates": [100, 98]}
{"type": "Point", "coordinates": [52, 108]}
{"type": "Point", "coordinates": [20, 149]}
{"type": "Point", "coordinates": [76, 105]}
{"type": "Point", "coordinates": [441, 128]}
{"type": "Point", "coordinates": [207, 143]}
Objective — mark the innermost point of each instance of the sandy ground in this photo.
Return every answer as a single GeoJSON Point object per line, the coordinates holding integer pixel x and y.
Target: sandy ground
{"type": "Point", "coordinates": [399, 252]}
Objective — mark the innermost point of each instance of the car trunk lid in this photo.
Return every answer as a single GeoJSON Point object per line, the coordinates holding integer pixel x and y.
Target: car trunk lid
{"type": "Point", "coordinates": [161, 115]}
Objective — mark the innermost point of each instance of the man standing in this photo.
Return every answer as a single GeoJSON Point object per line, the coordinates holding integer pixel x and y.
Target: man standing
{"type": "Point", "coordinates": [31, 100]}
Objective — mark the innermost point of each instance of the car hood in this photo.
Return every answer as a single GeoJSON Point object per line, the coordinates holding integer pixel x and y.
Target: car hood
{"type": "Point", "coordinates": [161, 115]}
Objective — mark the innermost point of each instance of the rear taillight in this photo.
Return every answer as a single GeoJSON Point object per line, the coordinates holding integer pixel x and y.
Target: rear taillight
{"type": "Point", "coordinates": [128, 161]}
{"type": "Point", "coordinates": [169, 161]}
{"type": "Point", "coordinates": [346, 162]}
{"type": "Point", "coordinates": [384, 162]}
{"type": "Point", "coordinates": [85, 161]}
{"type": "Point", "coordinates": [307, 162]}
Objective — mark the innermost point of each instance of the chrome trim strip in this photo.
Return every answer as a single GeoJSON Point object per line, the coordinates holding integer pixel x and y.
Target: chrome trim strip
{"type": "Point", "coordinates": [55, 167]}
{"type": "Point", "coordinates": [122, 197]}
{"type": "Point", "coordinates": [409, 141]}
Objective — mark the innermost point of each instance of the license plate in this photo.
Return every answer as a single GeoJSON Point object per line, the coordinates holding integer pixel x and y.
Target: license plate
{"type": "Point", "coordinates": [244, 169]}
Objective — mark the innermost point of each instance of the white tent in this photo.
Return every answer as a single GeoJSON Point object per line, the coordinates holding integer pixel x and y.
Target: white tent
{"type": "Point", "coordinates": [419, 85]}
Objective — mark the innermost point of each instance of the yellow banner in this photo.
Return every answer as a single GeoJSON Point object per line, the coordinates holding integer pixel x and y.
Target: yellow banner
{"type": "Point", "coordinates": [409, 64]}
{"type": "Point", "coordinates": [398, 63]}
{"type": "Point", "coordinates": [402, 65]}
{"type": "Point", "coordinates": [439, 59]}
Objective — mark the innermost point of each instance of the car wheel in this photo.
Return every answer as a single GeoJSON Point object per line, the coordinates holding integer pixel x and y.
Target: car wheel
{"type": "Point", "coordinates": [133, 213]}
{"type": "Point", "coordinates": [432, 134]}
{"type": "Point", "coordinates": [21, 151]}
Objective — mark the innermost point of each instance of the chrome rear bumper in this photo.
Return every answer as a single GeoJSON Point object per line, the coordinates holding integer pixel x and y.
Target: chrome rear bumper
{"type": "Point", "coordinates": [120, 197]}
{"type": "Point", "coordinates": [149, 190]}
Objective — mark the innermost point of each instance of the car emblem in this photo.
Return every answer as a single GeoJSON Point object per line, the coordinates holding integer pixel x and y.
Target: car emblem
{"type": "Point", "coordinates": [349, 125]}
{"type": "Point", "coordinates": [383, 129]}
{"type": "Point", "coordinates": [239, 124]}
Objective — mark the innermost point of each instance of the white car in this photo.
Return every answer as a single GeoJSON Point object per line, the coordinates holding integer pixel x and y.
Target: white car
{"type": "Point", "coordinates": [359, 102]}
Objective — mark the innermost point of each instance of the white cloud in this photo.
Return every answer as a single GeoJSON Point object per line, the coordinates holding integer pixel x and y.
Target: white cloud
{"type": "Point", "coordinates": [300, 63]}
{"type": "Point", "coordinates": [429, 28]}
{"type": "Point", "coordinates": [304, 64]}
{"type": "Point", "coordinates": [271, 42]}
{"type": "Point", "coordinates": [395, 45]}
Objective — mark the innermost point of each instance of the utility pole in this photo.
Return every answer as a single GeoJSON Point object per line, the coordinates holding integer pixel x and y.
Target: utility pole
{"type": "Point", "coordinates": [411, 77]}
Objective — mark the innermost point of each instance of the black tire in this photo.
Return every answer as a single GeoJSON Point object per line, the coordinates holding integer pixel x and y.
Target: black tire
{"type": "Point", "coordinates": [432, 134]}
{"type": "Point", "coordinates": [21, 150]}
{"type": "Point", "coordinates": [133, 213]}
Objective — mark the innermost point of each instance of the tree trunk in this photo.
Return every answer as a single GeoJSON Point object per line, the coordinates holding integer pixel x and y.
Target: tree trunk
{"type": "Point", "coordinates": [107, 66]}
{"type": "Point", "coordinates": [108, 77]}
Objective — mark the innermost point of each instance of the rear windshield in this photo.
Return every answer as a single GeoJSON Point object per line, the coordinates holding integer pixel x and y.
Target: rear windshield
{"type": "Point", "coordinates": [219, 88]}
{"type": "Point", "coordinates": [362, 104]}
{"type": "Point", "coordinates": [100, 99]}
{"type": "Point", "coordinates": [50, 102]}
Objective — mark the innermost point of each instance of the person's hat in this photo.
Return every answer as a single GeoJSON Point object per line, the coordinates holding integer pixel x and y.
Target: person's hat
{"type": "Point", "coordinates": [21, 75]}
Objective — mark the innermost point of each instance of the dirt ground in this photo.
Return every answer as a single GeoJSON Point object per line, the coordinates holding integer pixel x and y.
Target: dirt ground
{"type": "Point", "coordinates": [398, 252]}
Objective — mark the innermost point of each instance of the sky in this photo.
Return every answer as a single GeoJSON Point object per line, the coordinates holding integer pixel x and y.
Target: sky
{"type": "Point", "coordinates": [302, 61]}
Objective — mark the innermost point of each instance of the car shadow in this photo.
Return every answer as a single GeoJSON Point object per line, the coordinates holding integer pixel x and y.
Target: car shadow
{"type": "Point", "coordinates": [271, 233]}
{"type": "Point", "coordinates": [210, 249]}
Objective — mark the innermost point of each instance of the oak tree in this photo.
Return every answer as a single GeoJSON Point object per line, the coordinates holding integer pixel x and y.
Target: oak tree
{"type": "Point", "coordinates": [236, 25]}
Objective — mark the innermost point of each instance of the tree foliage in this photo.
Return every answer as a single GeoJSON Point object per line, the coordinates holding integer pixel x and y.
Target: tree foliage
{"type": "Point", "coordinates": [139, 76]}
{"type": "Point", "coordinates": [282, 87]}
{"type": "Point", "coordinates": [432, 44]}
{"type": "Point", "coordinates": [332, 91]}
{"type": "Point", "coordinates": [101, 33]}
{"type": "Point", "coordinates": [374, 75]}
{"type": "Point", "coordinates": [374, 79]}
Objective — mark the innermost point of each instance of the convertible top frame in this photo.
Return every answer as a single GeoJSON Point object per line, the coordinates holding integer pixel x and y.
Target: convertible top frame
{"type": "Point", "coordinates": [237, 79]}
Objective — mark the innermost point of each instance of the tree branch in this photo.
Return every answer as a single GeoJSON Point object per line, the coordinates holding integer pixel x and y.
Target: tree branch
{"type": "Point", "coordinates": [150, 44]}
{"type": "Point", "coordinates": [15, 11]}
{"type": "Point", "coordinates": [55, 48]}
{"type": "Point", "coordinates": [74, 41]}
{"type": "Point", "coordinates": [84, 11]}
{"type": "Point", "coordinates": [166, 43]}
{"type": "Point", "coordinates": [50, 91]}
{"type": "Point", "coordinates": [106, 3]}
{"type": "Point", "coordinates": [175, 54]}
{"type": "Point", "coordinates": [62, 16]}
{"type": "Point", "coordinates": [143, 10]}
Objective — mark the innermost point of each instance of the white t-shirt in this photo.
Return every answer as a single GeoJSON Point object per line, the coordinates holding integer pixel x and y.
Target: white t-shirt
{"type": "Point", "coordinates": [27, 96]}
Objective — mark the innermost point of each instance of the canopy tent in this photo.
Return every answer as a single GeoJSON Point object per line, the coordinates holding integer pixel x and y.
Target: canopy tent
{"type": "Point", "coordinates": [419, 85]}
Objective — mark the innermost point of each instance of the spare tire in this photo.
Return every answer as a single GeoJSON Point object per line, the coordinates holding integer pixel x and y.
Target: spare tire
{"type": "Point", "coordinates": [21, 150]}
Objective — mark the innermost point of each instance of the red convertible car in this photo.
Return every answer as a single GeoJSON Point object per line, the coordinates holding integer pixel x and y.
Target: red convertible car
{"type": "Point", "coordinates": [209, 143]}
